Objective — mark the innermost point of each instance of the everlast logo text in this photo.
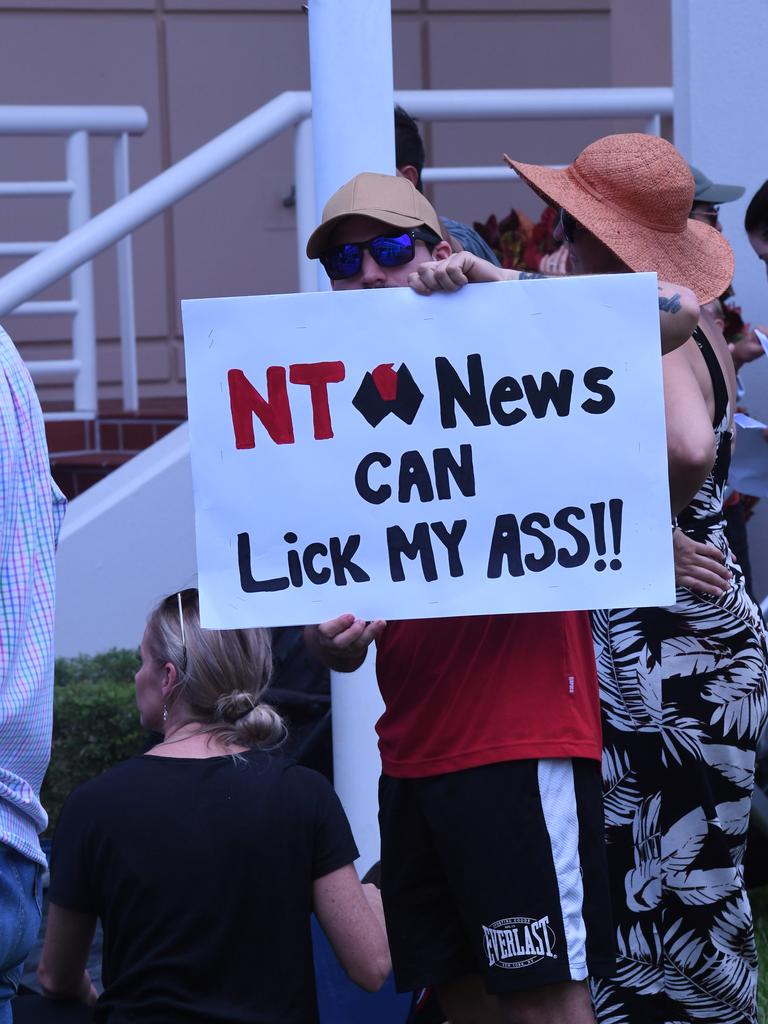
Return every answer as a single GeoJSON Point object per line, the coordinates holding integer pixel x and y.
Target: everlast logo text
{"type": "Point", "coordinates": [518, 942]}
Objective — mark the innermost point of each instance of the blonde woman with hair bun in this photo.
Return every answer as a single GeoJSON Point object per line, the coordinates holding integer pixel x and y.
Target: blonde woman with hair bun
{"type": "Point", "coordinates": [202, 688]}
{"type": "Point", "coordinates": [205, 857]}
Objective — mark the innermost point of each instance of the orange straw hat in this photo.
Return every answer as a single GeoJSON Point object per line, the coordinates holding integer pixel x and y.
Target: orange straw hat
{"type": "Point", "coordinates": [634, 193]}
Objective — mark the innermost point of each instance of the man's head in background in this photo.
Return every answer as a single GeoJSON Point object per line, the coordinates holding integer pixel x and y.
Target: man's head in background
{"type": "Point", "coordinates": [708, 196]}
{"type": "Point", "coordinates": [409, 160]}
{"type": "Point", "coordinates": [375, 231]}
{"type": "Point", "coordinates": [409, 148]}
{"type": "Point", "coordinates": [756, 223]}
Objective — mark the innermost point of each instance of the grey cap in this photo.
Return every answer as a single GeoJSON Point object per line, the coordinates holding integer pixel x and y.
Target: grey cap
{"type": "Point", "coordinates": [706, 191]}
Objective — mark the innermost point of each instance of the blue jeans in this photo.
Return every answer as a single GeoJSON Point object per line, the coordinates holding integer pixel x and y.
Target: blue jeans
{"type": "Point", "coordinates": [21, 900]}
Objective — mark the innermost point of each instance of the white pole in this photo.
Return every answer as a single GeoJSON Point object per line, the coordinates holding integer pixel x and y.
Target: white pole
{"type": "Point", "coordinates": [84, 321]}
{"type": "Point", "coordinates": [125, 295]}
{"type": "Point", "coordinates": [721, 127]}
{"type": "Point", "coordinates": [350, 59]}
{"type": "Point", "coordinates": [310, 271]}
{"type": "Point", "coordinates": [350, 52]}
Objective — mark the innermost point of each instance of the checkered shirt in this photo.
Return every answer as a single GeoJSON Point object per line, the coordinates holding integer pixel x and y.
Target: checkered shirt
{"type": "Point", "coordinates": [31, 511]}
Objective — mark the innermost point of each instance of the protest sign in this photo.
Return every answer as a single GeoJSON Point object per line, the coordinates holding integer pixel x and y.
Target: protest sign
{"type": "Point", "coordinates": [399, 456]}
{"type": "Point", "coordinates": [749, 464]}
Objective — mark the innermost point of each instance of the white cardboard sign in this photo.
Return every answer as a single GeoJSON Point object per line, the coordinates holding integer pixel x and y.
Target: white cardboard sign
{"type": "Point", "coordinates": [398, 456]}
{"type": "Point", "coordinates": [749, 465]}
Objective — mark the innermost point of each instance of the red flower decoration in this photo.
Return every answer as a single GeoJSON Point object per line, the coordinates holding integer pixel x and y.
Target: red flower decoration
{"type": "Point", "coordinates": [518, 242]}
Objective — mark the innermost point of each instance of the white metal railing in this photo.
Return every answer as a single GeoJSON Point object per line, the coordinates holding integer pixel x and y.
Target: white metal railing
{"type": "Point", "coordinates": [152, 198]}
{"type": "Point", "coordinates": [290, 109]}
{"type": "Point", "coordinates": [77, 125]}
{"type": "Point", "coordinates": [647, 105]}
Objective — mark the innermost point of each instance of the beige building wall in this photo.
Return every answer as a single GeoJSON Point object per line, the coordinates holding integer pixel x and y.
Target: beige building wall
{"type": "Point", "coordinates": [198, 66]}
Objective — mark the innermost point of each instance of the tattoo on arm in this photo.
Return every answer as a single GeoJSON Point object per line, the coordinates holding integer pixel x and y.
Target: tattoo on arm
{"type": "Point", "coordinates": [528, 275]}
{"type": "Point", "coordinates": [670, 305]}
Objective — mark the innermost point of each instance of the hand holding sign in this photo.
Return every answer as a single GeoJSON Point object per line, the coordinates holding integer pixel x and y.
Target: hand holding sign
{"type": "Point", "coordinates": [342, 643]}
{"type": "Point", "coordinates": [453, 273]}
{"type": "Point", "coordinates": [748, 348]}
{"type": "Point", "coordinates": [762, 338]}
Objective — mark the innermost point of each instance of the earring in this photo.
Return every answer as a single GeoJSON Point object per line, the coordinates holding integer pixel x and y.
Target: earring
{"type": "Point", "coordinates": [165, 712]}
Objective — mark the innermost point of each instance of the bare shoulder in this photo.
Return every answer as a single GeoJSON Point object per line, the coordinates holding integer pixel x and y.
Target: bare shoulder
{"type": "Point", "coordinates": [720, 347]}
{"type": "Point", "coordinates": [686, 368]}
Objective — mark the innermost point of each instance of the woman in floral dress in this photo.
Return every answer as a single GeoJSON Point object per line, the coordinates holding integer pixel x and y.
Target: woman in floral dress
{"type": "Point", "coordinates": [684, 689]}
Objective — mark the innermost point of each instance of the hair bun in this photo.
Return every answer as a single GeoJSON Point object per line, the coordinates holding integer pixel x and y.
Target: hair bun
{"type": "Point", "coordinates": [235, 704]}
{"type": "Point", "coordinates": [247, 721]}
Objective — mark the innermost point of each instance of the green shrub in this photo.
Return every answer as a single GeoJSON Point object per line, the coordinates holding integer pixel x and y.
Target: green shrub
{"type": "Point", "coordinates": [115, 666]}
{"type": "Point", "coordinates": [95, 722]}
{"type": "Point", "coordinates": [759, 901]}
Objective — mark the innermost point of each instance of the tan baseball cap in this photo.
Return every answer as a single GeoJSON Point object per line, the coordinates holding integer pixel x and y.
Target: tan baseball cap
{"type": "Point", "coordinates": [385, 197]}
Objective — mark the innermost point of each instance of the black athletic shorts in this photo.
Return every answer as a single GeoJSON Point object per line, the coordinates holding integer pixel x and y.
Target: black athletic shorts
{"type": "Point", "coordinates": [498, 870]}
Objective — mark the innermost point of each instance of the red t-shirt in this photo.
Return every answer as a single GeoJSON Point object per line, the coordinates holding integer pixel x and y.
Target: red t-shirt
{"type": "Point", "coordinates": [463, 692]}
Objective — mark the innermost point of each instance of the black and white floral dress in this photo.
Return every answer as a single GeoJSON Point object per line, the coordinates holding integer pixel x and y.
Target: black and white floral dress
{"type": "Point", "coordinates": [684, 693]}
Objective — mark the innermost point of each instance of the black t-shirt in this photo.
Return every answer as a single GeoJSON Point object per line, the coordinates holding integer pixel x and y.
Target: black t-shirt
{"type": "Point", "coordinates": [201, 872]}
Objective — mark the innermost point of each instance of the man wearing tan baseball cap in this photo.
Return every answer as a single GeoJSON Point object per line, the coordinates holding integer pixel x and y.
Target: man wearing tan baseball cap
{"type": "Point", "coordinates": [478, 734]}
{"type": "Point", "coordinates": [477, 737]}
{"type": "Point", "coordinates": [375, 230]}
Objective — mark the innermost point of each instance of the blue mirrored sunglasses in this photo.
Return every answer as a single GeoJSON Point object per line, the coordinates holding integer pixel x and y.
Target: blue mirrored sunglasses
{"type": "Point", "coordinates": [346, 260]}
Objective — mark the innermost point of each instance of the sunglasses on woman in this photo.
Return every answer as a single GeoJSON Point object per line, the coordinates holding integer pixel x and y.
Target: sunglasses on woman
{"type": "Point", "coordinates": [387, 250]}
{"type": "Point", "coordinates": [568, 225]}
{"type": "Point", "coordinates": [708, 213]}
